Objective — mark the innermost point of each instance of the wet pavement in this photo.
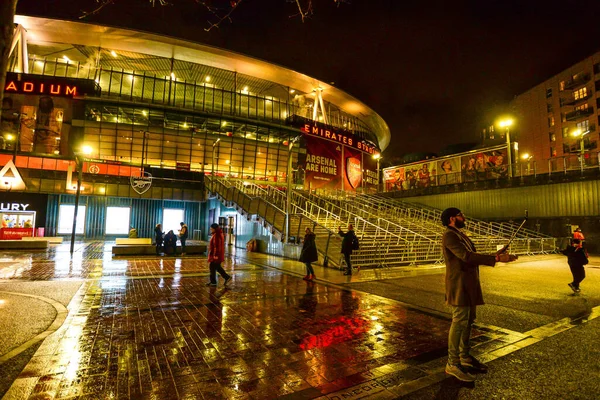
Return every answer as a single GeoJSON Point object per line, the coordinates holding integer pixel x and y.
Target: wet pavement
{"type": "Point", "coordinates": [149, 327]}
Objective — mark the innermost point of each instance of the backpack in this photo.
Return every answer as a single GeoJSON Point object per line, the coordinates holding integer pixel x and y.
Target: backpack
{"type": "Point", "coordinates": [355, 244]}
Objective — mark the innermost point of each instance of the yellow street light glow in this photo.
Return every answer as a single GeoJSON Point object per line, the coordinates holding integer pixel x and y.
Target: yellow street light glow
{"type": "Point", "coordinates": [87, 149]}
{"type": "Point", "coordinates": [576, 132]}
{"type": "Point", "coordinates": [526, 156]}
{"type": "Point", "coordinates": [113, 53]}
{"type": "Point", "coordinates": [376, 156]}
{"type": "Point", "coordinates": [224, 123]}
{"type": "Point", "coordinates": [10, 137]}
{"type": "Point", "coordinates": [505, 123]}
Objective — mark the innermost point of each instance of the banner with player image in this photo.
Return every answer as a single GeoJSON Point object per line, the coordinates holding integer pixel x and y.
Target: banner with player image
{"type": "Point", "coordinates": [484, 165]}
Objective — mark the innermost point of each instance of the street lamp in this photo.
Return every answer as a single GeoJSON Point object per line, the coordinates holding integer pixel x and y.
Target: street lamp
{"type": "Point", "coordinates": [378, 158]}
{"type": "Point", "coordinates": [507, 123]}
{"type": "Point", "coordinates": [580, 134]}
{"type": "Point", "coordinates": [85, 150]}
{"type": "Point", "coordinates": [212, 169]}
{"type": "Point", "coordinates": [527, 157]}
{"type": "Point", "coordinates": [288, 199]}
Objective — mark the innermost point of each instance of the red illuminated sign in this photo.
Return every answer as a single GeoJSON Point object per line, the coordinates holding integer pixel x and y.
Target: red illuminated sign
{"type": "Point", "coordinates": [26, 87]}
{"type": "Point", "coordinates": [341, 138]}
{"type": "Point", "coordinates": [49, 86]}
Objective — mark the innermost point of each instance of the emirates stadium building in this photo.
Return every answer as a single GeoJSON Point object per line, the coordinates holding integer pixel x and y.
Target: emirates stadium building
{"type": "Point", "coordinates": [155, 114]}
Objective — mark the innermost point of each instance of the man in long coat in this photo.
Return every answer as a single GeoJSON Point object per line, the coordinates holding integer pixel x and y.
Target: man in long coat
{"type": "Point", "coordinates": [463, 292]}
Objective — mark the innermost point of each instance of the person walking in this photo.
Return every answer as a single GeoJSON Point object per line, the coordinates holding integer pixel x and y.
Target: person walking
{"type": "Point", "coordinates": [216, 255]}
{"type": "Point", "coordinates": [309, 254]}
{"type": "Point", "coordinates": [183, 235]}
{"type": "Point", "coordinates": [463, 292]}
{"type": "Point", "coordinates": [158, 237]}
{"type": "Point", "coordinates": [349, 238]}
{"type": "Point", "coordinates": [576, 258]}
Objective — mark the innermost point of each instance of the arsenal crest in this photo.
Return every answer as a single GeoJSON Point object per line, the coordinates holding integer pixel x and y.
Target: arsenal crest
{"type": "Point", "coordinates": [353, 171]}
{"type": "Point", "coordinates": [141, 184]}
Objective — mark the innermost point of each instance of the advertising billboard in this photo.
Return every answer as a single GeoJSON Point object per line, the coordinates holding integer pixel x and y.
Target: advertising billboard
{"type": "Point", "coordinates": [471, 166]}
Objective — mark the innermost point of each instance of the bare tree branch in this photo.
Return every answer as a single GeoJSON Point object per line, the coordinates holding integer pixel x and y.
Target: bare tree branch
{"type": "Point", "coordinates": [102, 4]}
{"type": "Point", "coordinates": [234, 4]}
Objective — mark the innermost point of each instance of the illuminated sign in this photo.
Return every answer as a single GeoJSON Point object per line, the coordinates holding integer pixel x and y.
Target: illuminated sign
{"type": "Point", "coordinates": [50, 86]}
{"type": "Point", "coordinates": [13, 207]}
{"type": "Point", "coordinates": [342, 138]}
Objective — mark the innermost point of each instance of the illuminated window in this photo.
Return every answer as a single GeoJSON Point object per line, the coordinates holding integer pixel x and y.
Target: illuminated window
{"type": "Point", "coordinates": [551, 120]}
{"type": "Point", "coordinates": [171, 219]}
{"type": "Point", "coordinates": [580, 93]}
{"type": "Point", "coordinates": [561, 85]}
{"type": "Point", "coordinates": [552, 137]}
{"type": "Point", "coordinates": [552, 151]}
{"type": "Point", "coordinates": [583, 125]}
{"type": "Point", "coordinates": [117, 220]}
{"type": "Point", "coordinates": [581, 107]}
{"type": "Point", "coordinates": [565, 132]}
{"type": "Point", "coordinates": [65, 219]}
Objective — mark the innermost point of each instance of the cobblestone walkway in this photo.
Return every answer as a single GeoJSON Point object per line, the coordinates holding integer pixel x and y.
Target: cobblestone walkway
{"type": "Point", "coordinates": [150, 328]}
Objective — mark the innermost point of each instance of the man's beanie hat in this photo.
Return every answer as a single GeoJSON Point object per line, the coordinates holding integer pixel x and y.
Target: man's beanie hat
{"type": "Point", "coordinates": [447, 213]}
{"type": "Point", "coordinates": [214, 226]}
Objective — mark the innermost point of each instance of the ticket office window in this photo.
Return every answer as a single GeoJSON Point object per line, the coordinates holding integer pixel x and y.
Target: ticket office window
{"type": "Point", "coordinates": [65, 219]}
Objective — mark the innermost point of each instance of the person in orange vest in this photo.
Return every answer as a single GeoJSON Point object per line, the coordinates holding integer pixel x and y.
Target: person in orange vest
{"type": "Point", "coordinates": [577, 234]}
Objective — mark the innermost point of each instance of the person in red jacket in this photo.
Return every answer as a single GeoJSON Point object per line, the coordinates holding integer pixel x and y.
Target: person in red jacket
{"type": "Point", "coordinates": [216, 255]}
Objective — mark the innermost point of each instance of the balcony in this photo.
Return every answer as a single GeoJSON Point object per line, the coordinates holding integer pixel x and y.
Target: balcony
{"type": "Point", "coordinates": [574, 115]}
{"type": "Point", "coordinates": [581, 79]}
{"type": "Point", "coordinates": [571, 100]}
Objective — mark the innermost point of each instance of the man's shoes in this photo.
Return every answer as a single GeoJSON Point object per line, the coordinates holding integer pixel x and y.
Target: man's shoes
{"type": "Point", "coordinates": [348, 273]}
{"type": "Point", "coordinates": [307, 278]}
{"type": "Point", "coordinates": [474, 364]}
{"type": "Point", "coordinates": [573, 288]}
{"type": "Point", "coordinates": [312, 278]}
{"type": "Point", "coordinates": [227, 280]}
{"type": "Point", "coordinates": [460, 373]}
{"type": "Point", "coordinates": [211, 284]}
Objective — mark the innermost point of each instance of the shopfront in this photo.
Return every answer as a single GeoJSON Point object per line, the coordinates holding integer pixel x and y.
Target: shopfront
{"type": "Point", "coordinates": [22, 215]}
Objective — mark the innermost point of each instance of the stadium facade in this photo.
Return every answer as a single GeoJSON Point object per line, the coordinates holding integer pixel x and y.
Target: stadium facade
{"type": "Point", "coordinates": [157, 114]}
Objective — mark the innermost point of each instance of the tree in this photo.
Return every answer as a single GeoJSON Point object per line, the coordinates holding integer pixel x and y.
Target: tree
{"type": "Point", "coordinates": [217, 15]}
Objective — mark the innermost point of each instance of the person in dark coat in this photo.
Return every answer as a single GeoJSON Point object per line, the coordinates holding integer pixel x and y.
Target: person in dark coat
{"type": "Point", "coordinates": [348, 239]}
{"type": "Point", "coordinates": [309, 254]}
{"type": "Point", "coordinates": [576, 258]}
{"type": "Point", "coordinates": [158, 237]}
{"type": "Point", "coordinates": [170, 242]}
{"type": "Point", "coordinates": [463, 292]}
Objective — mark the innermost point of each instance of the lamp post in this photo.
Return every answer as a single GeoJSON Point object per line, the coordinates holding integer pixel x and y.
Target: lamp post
{"type": "Point", "coordinates": [288, 197]}
{"type": "Point", "coordinates": [378, 158]}
{"type": "Point", "coordinates": [85, 150]}
{"type": "Point", "coordinates": [507, 123]}
{"type": "Point", "coordinates": [527, 157]}
{"type": "Point", "coordinates": [580, 134]}
{"type": "Point", "coordinates": [212, 169]}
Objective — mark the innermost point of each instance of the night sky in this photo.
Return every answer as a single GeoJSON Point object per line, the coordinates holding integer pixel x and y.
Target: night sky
{"type": "Point", "coordinates": [436, 71]}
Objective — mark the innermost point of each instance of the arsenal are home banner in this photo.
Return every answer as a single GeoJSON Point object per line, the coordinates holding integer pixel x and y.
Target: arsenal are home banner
{"type": "Point", "coordinates": [323, 168]}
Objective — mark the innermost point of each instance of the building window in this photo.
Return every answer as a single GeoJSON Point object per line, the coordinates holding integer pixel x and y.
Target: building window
{"type": "Point", "coordinates": [566, 148]}
{"type": "Point", "coordinates": [597, 85]}
{"type": "Point", "coordinates": [550, 121]}
{"type": "Point", "coordinates": [580, 93]}
{"type": "Point", "coordinates": [65, 219]}
{"type": "Point", "coordinates": [548, 93]}
{"type": "Point", "coordinates": [117, 220]}
{"type": "Point", "coordinates": [561, 85]}
{"type": "Point", "coordinates": [597, 68]}
{"type": "Point", "coordinates": [565, 132]}
{"type": "Point", "coordinates": [552, 151]}
{"type": "Point", "coordinates": [552, 137]}
{"type": "Point", "coordinates": [549, 107]}
{"type": "Point", "coordinates": [581, 107]}
{"type": "Point", "coordinates": [171, 219]}
{"type": "Point", "coordinates": [583, 125]}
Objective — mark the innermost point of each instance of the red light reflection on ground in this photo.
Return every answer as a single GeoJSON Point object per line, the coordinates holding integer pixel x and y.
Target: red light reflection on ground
{"type": "Point", "coordinates": [342, 329]}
